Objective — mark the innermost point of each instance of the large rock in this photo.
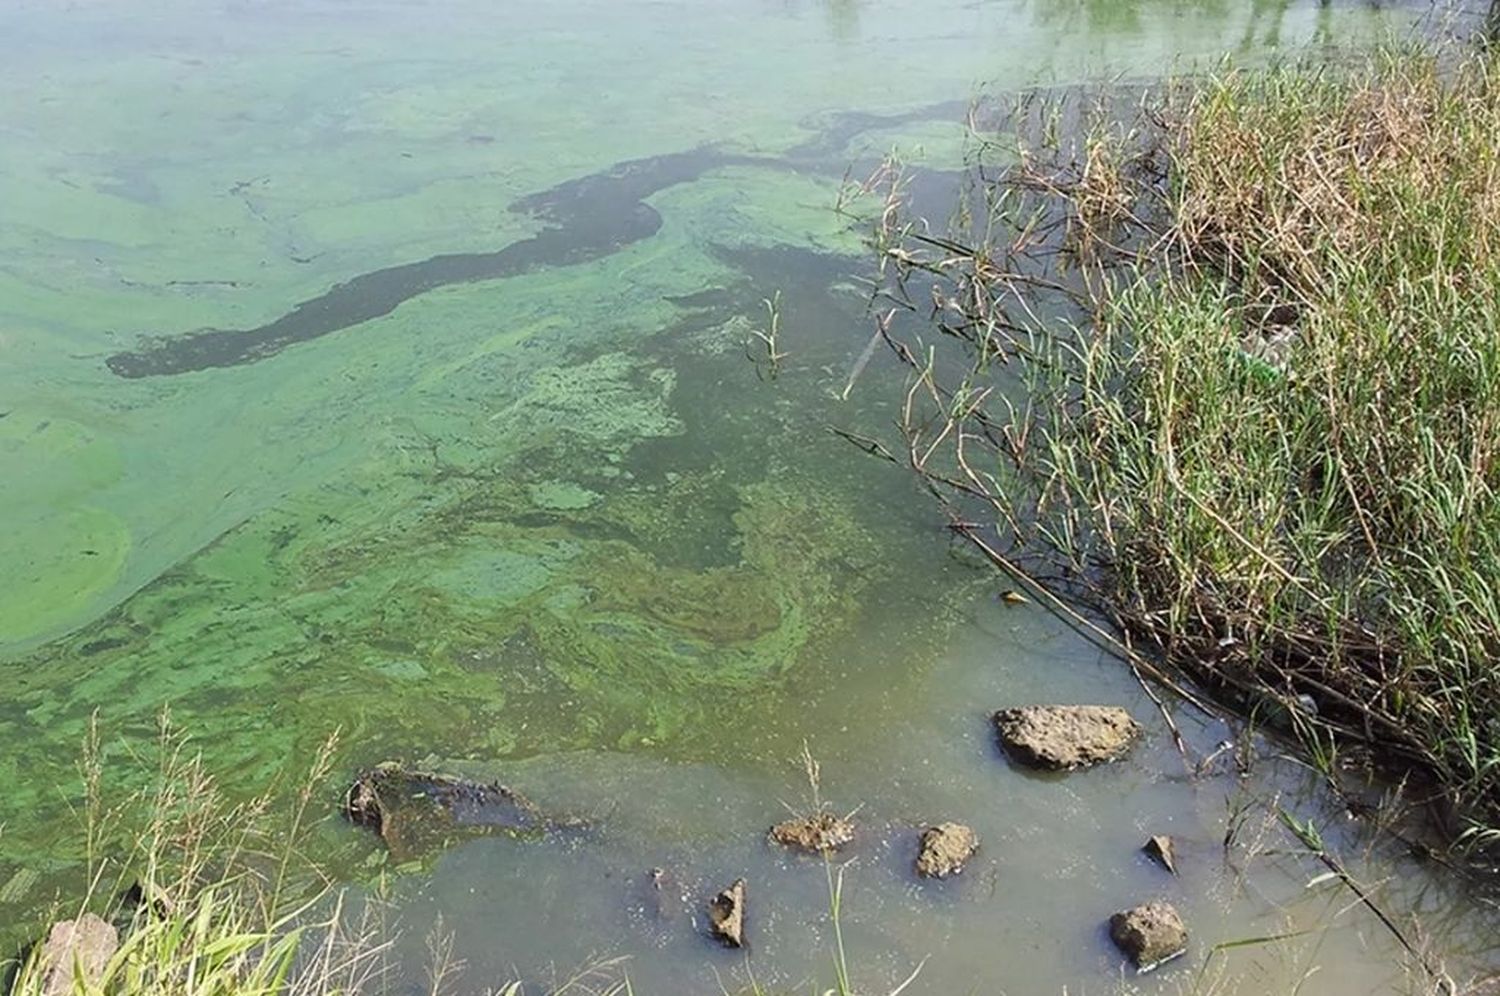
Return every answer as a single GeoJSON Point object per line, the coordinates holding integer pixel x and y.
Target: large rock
{"type": "Point", "coordinates": [726, 915]}
{"type": "Point", "coordinates": [415, 811]}
{"type": "Point", "coordinates": [1149, 934]}
{"type": "Point", "coordinates": [816, 834]}
{"type": "Point", "coordinates": [945, 849]}
{"type": "Point", "coordinates": [88, 942]}
{"type": "Point", "coordinates": [1063, 737]}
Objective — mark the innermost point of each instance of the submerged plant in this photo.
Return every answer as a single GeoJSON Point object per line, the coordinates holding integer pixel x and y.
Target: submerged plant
{"type": "Point", "coordinates": [767, 356]}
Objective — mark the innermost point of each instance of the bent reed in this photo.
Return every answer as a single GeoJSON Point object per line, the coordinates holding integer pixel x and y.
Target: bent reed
{"type": "Point", "coordinates": [1230, 376]}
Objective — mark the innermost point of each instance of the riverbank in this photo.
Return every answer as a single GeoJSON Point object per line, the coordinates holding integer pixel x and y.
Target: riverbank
{"type": "Point", "coordinates": [1263, 414]}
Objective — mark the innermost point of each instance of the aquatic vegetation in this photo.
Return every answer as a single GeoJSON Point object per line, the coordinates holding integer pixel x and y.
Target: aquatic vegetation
{"type": "Point", "coordinates": [66, 549]}
{"type": "Point", "coordinates": [768, 355]}
{"type": "Point", "coordinates": [525, 559]}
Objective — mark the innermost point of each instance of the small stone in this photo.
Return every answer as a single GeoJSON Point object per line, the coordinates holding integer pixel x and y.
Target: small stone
{"type": "Point", "coordinates": [945, 848]}
{"type": "Point", "coordinates": [1149, 934]}
{"type": "Point", "coordinates": [816, 834]}
{"type": "Point", "coordinates": [726, 915]}
{"type": "Point", "coordinates": [1063, 737]}
{"type": "Point", "coordinates": [88, 941]}
{"type": "Point", "coordinates": [1160, 848]}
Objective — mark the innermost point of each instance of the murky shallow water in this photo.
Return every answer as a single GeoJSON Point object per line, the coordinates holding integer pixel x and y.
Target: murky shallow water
{"type": "Point", "coordinates": [381, 367]}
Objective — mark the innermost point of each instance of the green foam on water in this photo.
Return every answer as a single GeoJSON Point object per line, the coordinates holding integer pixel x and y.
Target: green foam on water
{"type": "Point", "coordinates": [60, 550]}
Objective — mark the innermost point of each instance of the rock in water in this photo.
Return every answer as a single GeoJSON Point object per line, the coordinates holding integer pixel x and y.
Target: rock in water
{"type": "Point", "coordinates": [1160, 848]}
{"type": "Point", "coordinates": [945, 848]}
{"type": "Point", "coordinates": [1149, 934]}
{"type": "Point", "coordinates": [1063, 737]}
{"type": "Point", "coordinates": [726, 914]}
{"type": "Point", "coordinates": [416, 811]}
{"type": "Point", "coordinates": [814, 834]}
{"type": "Point", "coordinates": [88, 941]}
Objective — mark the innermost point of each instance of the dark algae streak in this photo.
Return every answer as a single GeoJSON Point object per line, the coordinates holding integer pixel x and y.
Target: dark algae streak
{"type": "Point", "coordinates": [591, 217]}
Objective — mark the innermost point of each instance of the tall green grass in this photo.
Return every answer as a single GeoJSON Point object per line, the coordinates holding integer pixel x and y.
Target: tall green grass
{"type": "Point", "coordinates": [1266, 442]}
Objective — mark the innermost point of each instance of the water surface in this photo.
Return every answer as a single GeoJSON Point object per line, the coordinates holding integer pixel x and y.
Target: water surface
{"type": "Point", "coordinates": [381, 367]}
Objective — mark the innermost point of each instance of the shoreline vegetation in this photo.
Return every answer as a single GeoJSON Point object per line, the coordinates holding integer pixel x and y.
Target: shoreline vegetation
{"type": "Point", "coordinates": [190, 893]}
{"type": "Point", "coordinates": [1214, 369]}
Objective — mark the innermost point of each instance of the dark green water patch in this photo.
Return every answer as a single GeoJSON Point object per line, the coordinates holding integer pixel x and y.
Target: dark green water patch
{"type": "Point", "coordinates": [591, 217]}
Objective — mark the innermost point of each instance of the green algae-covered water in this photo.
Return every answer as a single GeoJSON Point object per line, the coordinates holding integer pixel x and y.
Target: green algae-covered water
{"type": "Point", "coordinates": [381, 367]}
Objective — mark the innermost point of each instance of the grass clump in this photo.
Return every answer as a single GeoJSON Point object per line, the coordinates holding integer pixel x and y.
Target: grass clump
{"type": "Point", "coordinates": [205, 897]}
{"type": "Point", "coordinates": [1258, 326]}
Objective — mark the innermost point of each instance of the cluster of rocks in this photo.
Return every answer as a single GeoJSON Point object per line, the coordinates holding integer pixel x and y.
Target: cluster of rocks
{"type": "Point", "coordinates": [1051, 738]}
{"type": "Point", "coordinates": [942, 850]}
{"type": "Point", "coordinates": [413, 808]}
{"type": "Point", "coordinates": [1069, 737]}
{"type": "Point", "coordinates": [409, 808]}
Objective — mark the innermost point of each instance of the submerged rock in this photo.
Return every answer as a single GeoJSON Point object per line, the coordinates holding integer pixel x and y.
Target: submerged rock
{"type": "Point", "coordinates": [89, 942]}
{"type": "Point", "coordinates": [945, 848]}
{"type": "Point", "coordinates": [1149, 934]}
{"type": "Point", "coordinates": [1063, 737]}
{"type": "Point", "coordinates": [657, 897]}
{"type": "Point", "coordinates": [726, 915]}
{"type": "Point", "coordinates": [1160, 848]}
{"type": "Point", "coordinates": [814, 834]}
{"type": "Point", "coordinates": [414, 811]}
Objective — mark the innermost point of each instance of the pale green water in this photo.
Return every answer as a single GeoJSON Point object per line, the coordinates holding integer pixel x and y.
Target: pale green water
{"type": "Point", "coordinates": [553, 522]}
